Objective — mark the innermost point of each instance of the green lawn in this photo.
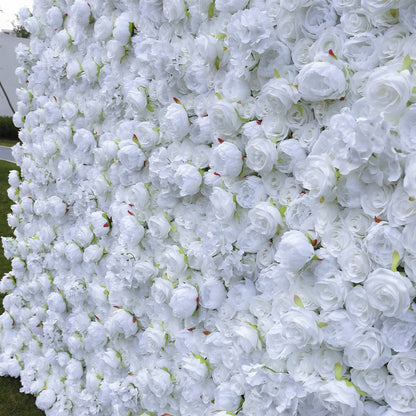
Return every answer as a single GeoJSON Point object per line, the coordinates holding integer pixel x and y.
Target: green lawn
{"type": "Point", "coordinates": [12, 402]}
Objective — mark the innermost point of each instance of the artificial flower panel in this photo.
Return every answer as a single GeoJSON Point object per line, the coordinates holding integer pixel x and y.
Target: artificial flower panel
{"type": "Point", "coordinates": [215, 212]}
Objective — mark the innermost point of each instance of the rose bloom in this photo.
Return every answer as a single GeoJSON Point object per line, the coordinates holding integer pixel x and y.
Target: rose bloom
{"type": "Point", "coordinates": [261, 154]}
{"type": "Point", "coordinates": [321, 81]}
{"type": "Point", "coordinates": [294, 250]}
{"type": "Point", "coordinates": [389, 292]}
{"type": "Point", "coordinates": [184, 301]}
{"type": "Point", "coordinates": [265, 218]}
{"type": "Point", "coordinates": [227, 159]}
{"type": "Point", "coordinates": [388, 91]}
{"type": "Point", "coordinates": [366, 350]}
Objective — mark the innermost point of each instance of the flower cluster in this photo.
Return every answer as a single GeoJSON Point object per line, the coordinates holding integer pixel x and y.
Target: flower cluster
{"type": "Point", "coordinates": [216, 208]}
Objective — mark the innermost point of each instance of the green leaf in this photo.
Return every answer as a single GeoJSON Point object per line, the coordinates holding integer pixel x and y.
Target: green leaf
{"type": "Point", "coordinates": [395, 261]}
{"type": "Point", "coordinates": [298, 301]}
{"type": "Point", "coordinates": [211, 9]}
{"type": "Point", "coordinates": [221, 36]}
{"type": "Point", "coordinates": [282, 210]}
{"type": "Point", "coordinates": [131, 28]}
{"type": "Point", "coordinates": [322, 324]}
{"type": "Point", "coordinates": [338, 371]}
{"type": "Point", "coordinates": [202, 360]}
{"type": "Point", "coordinates": [276, 72]}
{"type": "Point", "coordinates": [407, 63]}
{"type": "Point", "coordinates": [217, 63]}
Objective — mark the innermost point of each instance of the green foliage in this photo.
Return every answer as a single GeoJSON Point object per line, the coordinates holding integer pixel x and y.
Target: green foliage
{"type": "Point", "coordinates": [8, 129]}
{"type": "Point", "coordinates": [12, 402]}
{"type": "Point", "coordinates": [19, 29]}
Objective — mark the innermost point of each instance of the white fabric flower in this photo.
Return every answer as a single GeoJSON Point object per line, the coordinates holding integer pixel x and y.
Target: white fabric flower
{"type": "Point", "coordinates": [294, 250]}
{"type": "Point", "coordinates": [321, 81]}
{"type": "Point", "coordinates": [184, 301]}
{"type": "Point", "coordinates": [389, 292]}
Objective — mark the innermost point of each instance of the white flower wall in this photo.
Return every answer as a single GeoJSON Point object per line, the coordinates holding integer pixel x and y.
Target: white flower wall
{"type": "Point", "coordinates": [216, 209]}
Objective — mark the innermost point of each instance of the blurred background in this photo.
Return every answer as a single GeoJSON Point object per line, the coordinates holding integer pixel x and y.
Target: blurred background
{"type": "Point", "coordinates": [11, 34]}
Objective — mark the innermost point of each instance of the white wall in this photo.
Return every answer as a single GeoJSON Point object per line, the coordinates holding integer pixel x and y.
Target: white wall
{"type": "Point", "coordinates": [8, 64]}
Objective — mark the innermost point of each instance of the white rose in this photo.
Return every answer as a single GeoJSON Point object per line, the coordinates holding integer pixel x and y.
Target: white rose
{"type": "Point", "coordinates": [337, 334]}
{"type": "Point", "coordinates": [93, 253]}
{"type": "Point", "coordinates": [74, 370]}
{"type": "Point", "coordinates": [407, 129]}
{"type": "Point", "coordinates": [317, 18]}
{"type": "Point", "coordinates": [389, 292]}
{"type": "Point", "coordinates": [100, 223]}
{"type": "Point", "coordinates": [174, 258]}
{"type": "Point", "coordinates": [381, 241]}
{"type": "Point", "coordinates": [103, 28]}
{"type": "Point", "coordinates": [160, 382]}
{"type": "Point", "coordinates": [96, 338]}
{"type": "Point", "coordinates": [227, 159]}
{"type": "Point", "coordinates": [379, 6]}
{"type": "Point", "coordinates": [73, 253]}
{"type": "Point", "coordinates": [300, 328]}
{"type": "Point", "coordinates": [366, 350]}
{"type": "Point", "coordinates": [159, 226]}
{"type": "Point", "coordinates": [401, 398]}
{"type": "Point", "coordinates": [227, 396]}
{"type": "Point", "coordinates": [56, 302]}
{"type": "Point", "coordinates": [402, 208]}
{"type": "Point", "coordinates": [230, 6]}
{"type": "Point", "coordinates": [400, 334]}
{"type": "Point", "coordinates": [247, 338]}
{"type": "Point", "coordinates": [388, 91]}
{"type": "Point", "coordinates": [290, 153]}
{"type": "Point", "coordinates": [176, 121]}
{"type": "Point", "coordinates": [84, 140]}
{"type": "Point", "coordinates": [321, 81]}
{"type": "Point", "coordinates": [81, 12]}
{"type": "Point", "coordinates": [330, 292]}
{"type": "Point", "coordinates": [84, 235]}
{"type": "Point", "coordinates": [362, 51]}
{"type": "Point", "coordinates": [340, 399]}
{"type": "Point", "coordinates": [357, 305]}
{"type": "Point", "coordinates": [184, 301]}
{"type": "Point", "coordinates": [223, 205]}
{"type": "Point", "coordinates": [121, 322]}
{"type": "Point", "coordinates": [250, 191]}
{"type": "Point", "coordinates": [131, 231]}
{"type": "Point", "coordinates": [174, 10]}
{"type": "Point", "coordinates": [223, 118]}
{"type": "Point", "coordinates": [188, 178]}
{"type": "Point", "coordinates": [161, 290]}
{"type": "Point", "coordinates": [354, 264]}
{"type": "Point", "coordinates": [276, 96]}
{"type": "Point", "coordinates": [355, 21]}
{"type": "Point", "coordinates": [403, 367]}
{"type": "Point", "coordinates": [375, 199]}
{"type": "Point", "coordinates": [46, 399]}
{"type": "Point", "coordinates": [317, 175]}
{"type": "Point", "coordinates": [250, 240]}
{"type": "Point", "coordinates": [265, 218]}
{"type": "Point", "coordinates": [261, 154]}
{"type": "Point", "coordinates": [294, 250]}
{"type": "Point", "coordinates": [153, 339]}
{"type": "Point", "coordinates": [212, 293]}
{"type": "Point", "coordinates": [372, 381]}
{"type": "Point", "coordinates": [131, 157]}
{"type": "Point", "coordinates": [121, 31]}
{"type": "Point", "coordinates": [54, 17]}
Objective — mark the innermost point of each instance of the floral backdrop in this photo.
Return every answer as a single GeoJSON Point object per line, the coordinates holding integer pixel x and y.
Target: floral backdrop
{"type": "Point", "coordinates": [216, 208]}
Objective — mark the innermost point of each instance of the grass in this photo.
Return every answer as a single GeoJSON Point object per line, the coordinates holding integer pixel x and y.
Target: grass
{"type": "Point", "coordinates": [5, 141]}
{"type": "Point", "coordinates": [12, 402]}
